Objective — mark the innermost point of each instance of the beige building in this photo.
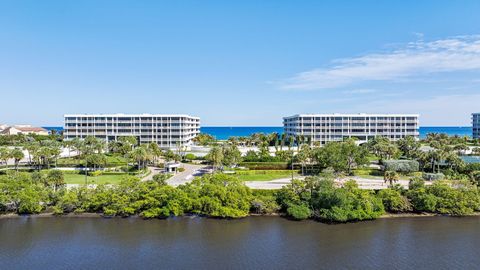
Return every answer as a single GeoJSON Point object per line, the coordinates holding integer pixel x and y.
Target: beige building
{"type": "Point", "coordinates": [24, 129]}
{"type": "Point", "coordinates": [3, 127]}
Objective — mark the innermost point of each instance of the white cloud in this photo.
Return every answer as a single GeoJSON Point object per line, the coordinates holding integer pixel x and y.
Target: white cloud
{"type": "Point", "coordinates": [444, 110]}
{"type": "Point", "coordinates": [415, 59]}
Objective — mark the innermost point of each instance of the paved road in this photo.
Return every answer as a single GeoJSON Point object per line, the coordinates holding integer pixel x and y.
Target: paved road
{"type": "Point", "coordinates": [191, 170]}
{"type": "Point", "coordinates": [153, 171]}
{"type": "Point", "coordinates": [273, 184]}
{"type": "Point", "coordinates": [363, 183]}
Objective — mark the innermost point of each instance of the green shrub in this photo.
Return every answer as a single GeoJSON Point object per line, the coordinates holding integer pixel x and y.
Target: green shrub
{"type": "Point", "coordinates": [161, 178]}
{"type": "Point", "coordinates": [57, 210]}
{"type": "Point", "coordinates": [109, 212]}
{"type": "Point", "coordinates": [190, 156]}
{"type": "Point", "coordinates": [30, 199]}
{"type": "Point", "coordinates": [156, 213]}
{"type": "Point", "coordinates": [265, 165]}
{"type": "Point", "coordinates": [348, 203]}
{"type": "Point", "coordinates": [475, 177]}
{"type": "Point", "coordinates": [393, 201]}
{"type": "Point", "coordinates": [457, 201]}
{"type": "Point", "coordinates": [433, 176]}
{"type": "Point", "coordinates": [264, 202]}
{"type": "Point", "coordinates": [219, 195]}
{"type": "Point", "coordinates": [403, 166]}
{"type": "Point", "coordinates": [299, 212]}
{"type": "Point", "coordinates": [325, 201]}
{"type": "Point", "coordinates": [268, 172]}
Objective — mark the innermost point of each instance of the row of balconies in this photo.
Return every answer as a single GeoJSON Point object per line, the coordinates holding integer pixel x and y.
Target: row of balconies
{"type": "Point", "coordinates": [130, 130]}
{"type": "Point", "coordinates": [349, 124]}
{"type": "Point", "coordinates": [353, 131]}
{"type": "Point", "coordinates": [350, 129]}
{"type": "Point", "coordinates": [365, 133]}
{"type": "Point", "coordinates": [129, 133]}
{"type": "Point", "coordinates": [148, 122]}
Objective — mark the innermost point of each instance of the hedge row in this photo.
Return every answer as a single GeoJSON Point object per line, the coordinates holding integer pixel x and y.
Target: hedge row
{"type": "Point", "coordinates": [403, 166]}
{"type": "Point", "coordinates": [252, 172]}
{"type": "Point", "coordinates": [265, 165]}
{"type": "Point", "coordinates": [433, 176]}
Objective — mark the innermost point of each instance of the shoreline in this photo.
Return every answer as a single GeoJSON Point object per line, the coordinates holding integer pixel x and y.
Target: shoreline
{"type": "Point", "coordinates": [99, 215]}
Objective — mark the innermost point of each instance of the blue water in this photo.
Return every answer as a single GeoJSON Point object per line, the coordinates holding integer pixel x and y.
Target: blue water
{"type": "Point", "coordinates": [451, 131]}
{"type": "Point", "coordinates": [223, 133]}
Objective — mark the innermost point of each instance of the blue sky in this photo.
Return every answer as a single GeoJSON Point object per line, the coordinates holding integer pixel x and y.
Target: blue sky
{"type": "Point", "coordinates": [244, 63]}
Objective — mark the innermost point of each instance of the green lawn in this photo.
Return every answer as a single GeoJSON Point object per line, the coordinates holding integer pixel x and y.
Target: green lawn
{"type": "Point", "coordinates": [112, 160]}
{"type": "Point", "coordinates": [71, 178]}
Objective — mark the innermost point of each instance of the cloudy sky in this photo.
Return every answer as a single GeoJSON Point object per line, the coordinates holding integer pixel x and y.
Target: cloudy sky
{"type": "Point", "coordinates": [248, 63]}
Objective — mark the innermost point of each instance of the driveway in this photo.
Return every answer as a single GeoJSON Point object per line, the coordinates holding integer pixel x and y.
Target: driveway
{"type": "Point", "coordinates": [191, 171]}
{"type": "Point", "coordinates": [153, 171]}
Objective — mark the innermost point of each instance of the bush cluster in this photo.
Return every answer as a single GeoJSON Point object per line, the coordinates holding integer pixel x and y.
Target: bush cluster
{"type": "Point", "coordinates": [225, 196]}
{"type": "Point", "coordinates": [402, 166]}
{"type": "Point", "coordinates": [265, 165]}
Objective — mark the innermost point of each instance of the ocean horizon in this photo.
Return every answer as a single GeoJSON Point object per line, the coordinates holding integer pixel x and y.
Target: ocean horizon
{"type": "Point", "coordinates": [224, 132]}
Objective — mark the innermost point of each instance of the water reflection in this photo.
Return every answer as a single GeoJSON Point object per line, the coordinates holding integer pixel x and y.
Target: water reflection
{"type": "Point", "coordinates": [251, 243]}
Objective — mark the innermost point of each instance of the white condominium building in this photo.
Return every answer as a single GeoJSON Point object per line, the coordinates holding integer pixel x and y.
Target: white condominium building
{"type": "Point", "coordinates": [476, 125]}
{"type": "Point", "coordinates": [325, 128]}
{"type": "Point", "coordinates": [166, 130]}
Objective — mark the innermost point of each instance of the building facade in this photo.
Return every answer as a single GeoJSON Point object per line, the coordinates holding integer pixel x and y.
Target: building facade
{"type": "Point", "coordinates": [22, 129]}
{"type": "Point", "coordinates": [168, 131]}
{"type": "Point", "coordinates": [476, 125]}
{"type": "Point", "coordinates": [323, 128]}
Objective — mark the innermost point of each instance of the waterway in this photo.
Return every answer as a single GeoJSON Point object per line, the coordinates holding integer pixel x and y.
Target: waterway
{"type": "Point", "coordinates": [250, 243]}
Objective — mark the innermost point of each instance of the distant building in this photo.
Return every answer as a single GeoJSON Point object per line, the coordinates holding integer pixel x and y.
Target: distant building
{"type": "Point", "coordinates": [167, 131]}
{"type": "Point", "coordinates": [325, 128]}
{"type": "Point", "coordinates": [24, 129]}
{"type": "Point", "coordinates": [476, 125]}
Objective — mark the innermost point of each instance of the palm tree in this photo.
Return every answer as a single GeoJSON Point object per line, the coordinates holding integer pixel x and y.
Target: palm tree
{"type": "Point", "coordinates": [303, 156]}
{"type": "Point", "coordinates": [31, 148]}
{"type": "Point", "coordinates": [5, 155]}
{"type": "Point", "coordinates": [461, 147]}
{"type": "Point", "coordinates": [155, 151]}
{"type": "Point", "coordinates": [216, 157]}
{"type": "Point", "coordinates": [391, 177]}
{"type": "Point", "coordinates": [282, 142]}
{"type": "Point", "coordinates": [68, 145]}
{"type": "Point", "coordinates": [291, 141]}
{"type": "Point", "coordinates": [17, 155]}
{"type": "Point", "coordinates": [140, 155]}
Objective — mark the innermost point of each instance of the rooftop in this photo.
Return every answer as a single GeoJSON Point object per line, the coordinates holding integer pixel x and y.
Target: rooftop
{"type": "Point", "coordinates": [355, 115]}
{"type": "Point", "coordinates": [129, 115]}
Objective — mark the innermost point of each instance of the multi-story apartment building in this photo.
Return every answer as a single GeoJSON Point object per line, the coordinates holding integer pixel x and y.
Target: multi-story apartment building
{"type": "Point", "coordinates": [167, 131]}
{"type": "Point", "coordinates": [325, 128]}
{"type": "Point", "coordinates": [476, 125]}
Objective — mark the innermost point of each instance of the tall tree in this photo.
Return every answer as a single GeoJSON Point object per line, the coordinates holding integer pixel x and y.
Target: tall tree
{"type": "Point", "coordinates": [5, 155]}
{"type": "Point", "coordinates": [215, 156]}
{"type": "Point", "coordinates": [17, 155]}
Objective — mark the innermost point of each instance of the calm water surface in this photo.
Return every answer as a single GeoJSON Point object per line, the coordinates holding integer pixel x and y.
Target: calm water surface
{"type": "Point", "coordinates": [251, 243]}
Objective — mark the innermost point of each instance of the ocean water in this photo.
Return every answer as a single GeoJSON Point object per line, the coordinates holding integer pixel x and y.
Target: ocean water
{"type": "Point", "coordinates": [223, 133]}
